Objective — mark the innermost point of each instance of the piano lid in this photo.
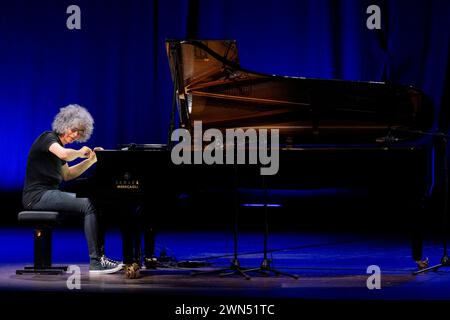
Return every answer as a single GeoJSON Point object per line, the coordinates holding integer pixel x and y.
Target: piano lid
{"type": "Point", "coordinates": [212, 87]}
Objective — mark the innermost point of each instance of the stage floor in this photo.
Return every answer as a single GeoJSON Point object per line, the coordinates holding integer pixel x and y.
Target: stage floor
{"type": "Point", "coordinates": [332, 268]}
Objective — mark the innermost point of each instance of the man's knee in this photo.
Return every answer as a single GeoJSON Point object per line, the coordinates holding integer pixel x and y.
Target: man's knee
{"type": "Point", "coordinates": [87, 206]}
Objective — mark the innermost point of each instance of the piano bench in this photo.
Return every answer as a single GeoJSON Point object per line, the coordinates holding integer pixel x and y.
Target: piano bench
{"type": "Point", "coordinates": [43, 223]}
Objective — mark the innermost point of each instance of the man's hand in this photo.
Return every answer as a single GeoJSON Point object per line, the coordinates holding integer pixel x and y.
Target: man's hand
{"type": "Point", "coordinates": [75, 171]}
{"type": "Point", "coordinates": [93, 156]}
{"type": "Point", "coordinates": [85, 152]}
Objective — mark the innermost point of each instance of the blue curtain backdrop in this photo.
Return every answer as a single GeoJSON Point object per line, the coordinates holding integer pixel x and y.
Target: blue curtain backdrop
{"type": "Point", "coordinates": [116, 65]}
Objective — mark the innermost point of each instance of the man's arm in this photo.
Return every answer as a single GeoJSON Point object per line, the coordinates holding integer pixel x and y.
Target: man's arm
{"type": "Point", "coordinates": [75, 171]}
{"type": "Point", "coordinates": [68, 154]}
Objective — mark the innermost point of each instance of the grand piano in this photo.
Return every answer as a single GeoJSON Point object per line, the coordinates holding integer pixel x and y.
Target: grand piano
{"type": "Point", "coordinates": [367, 137]}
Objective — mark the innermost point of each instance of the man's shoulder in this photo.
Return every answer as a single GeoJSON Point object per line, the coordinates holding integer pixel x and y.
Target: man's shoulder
{"type": "Point", "coordinates": [48, 136]}
{"type": "Point", "coordinates": [45, 139]}
{"type": "Point", "coordinates": [45, 134]}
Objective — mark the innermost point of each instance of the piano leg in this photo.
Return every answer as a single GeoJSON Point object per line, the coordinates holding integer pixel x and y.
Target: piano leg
{"type": "Point", "coordinates": [147, 230]}
{"type": "Point", "coordinates": [131, 241]}
{"type": "Point", "coordinates": [417, 249]}
{"type": "Point", "coordinates": [138, 223]}
{"type": "Point", "coordinates": [420, 207]}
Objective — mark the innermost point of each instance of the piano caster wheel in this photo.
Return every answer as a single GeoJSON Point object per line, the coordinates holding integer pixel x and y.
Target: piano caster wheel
{"type": "Point", "coordinates": [132, 271]}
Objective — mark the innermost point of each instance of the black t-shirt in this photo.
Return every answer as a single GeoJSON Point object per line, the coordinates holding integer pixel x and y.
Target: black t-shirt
{"type": "Point", "coordinates": [43, 169]}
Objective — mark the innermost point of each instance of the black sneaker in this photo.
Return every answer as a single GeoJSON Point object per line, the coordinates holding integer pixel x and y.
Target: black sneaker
{"type": "Point", "coordinates": [110, 262]}
{"type": "Point", "coordinates": [103, 266]}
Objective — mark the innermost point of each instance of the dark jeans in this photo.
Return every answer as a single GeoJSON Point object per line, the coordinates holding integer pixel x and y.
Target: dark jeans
{"type": "Point", "coordinates": [68, 203]}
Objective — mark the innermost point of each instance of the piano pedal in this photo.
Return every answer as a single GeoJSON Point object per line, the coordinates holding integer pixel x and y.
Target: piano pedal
{"type": "Point", "coordinates": [132, 271]}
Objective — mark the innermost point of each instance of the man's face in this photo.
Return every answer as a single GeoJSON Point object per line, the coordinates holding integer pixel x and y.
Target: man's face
{"type": "Point", "coordinates": [72, 135]}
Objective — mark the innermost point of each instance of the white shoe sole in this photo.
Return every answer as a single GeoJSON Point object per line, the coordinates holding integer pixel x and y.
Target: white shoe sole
{"type": "Point", "coordinates": [107, 271]}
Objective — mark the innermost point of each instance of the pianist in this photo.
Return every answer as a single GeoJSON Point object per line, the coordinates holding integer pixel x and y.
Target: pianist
{"type": "Point", "coordinates": [47, 166]}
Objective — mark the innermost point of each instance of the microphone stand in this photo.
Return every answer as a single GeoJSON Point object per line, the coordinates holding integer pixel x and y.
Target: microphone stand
{"type": "Point", "coordinates": [265, 268]}
{"type": "Point", "coordinates": [443, 145]}
{"type": "Point", "coordinates": [235, 267]}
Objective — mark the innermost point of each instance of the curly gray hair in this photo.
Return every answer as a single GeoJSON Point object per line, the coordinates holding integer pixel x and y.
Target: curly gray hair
{"type": "Point", "coordinates": [74, 116]}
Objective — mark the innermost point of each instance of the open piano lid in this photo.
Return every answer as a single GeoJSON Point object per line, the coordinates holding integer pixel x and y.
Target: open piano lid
{"type": "Point", "coordinates": [212, 87]}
